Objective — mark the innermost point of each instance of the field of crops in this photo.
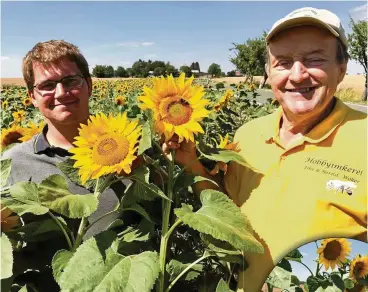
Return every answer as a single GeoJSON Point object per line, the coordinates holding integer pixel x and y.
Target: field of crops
{"type": "Point", "coordinates": [21, 120]}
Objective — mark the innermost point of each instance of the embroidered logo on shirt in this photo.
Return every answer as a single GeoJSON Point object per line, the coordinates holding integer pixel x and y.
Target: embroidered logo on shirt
{"type": "Point", "coordinates": [343, 186]}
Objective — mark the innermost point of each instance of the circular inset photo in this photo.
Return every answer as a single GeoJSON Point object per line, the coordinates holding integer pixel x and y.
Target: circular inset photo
{"type": "Point", "coordinates": [328, 265]}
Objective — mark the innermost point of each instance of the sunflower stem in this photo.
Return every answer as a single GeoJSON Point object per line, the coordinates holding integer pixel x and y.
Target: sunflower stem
{"type": "Point", "coordinates": [163, 153]}
{"type": "Point", "coordinates": [166, 207]}
{"type": "Point", "coordinates": [62, 229]}
{"type": "Point", "coordinates": [83, 225]}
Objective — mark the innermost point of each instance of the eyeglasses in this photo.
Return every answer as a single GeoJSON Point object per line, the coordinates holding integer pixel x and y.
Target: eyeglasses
{"type": "Point", "coordinates": [69, 83]}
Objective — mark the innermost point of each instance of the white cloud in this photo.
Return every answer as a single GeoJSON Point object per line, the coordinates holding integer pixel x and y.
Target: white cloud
{"type": "Point", "coordinates": [3, 58]}
{"type": "Point", "coordinates": [359, 12]}
{"type": "Point", "coordinates": [135, 44]}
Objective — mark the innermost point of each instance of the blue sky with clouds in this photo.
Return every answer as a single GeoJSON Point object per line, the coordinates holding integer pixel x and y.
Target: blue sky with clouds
{"type": "Point", "coordinates": [119, 33]}
{"type": "Point", "coordinates": [309, 252]}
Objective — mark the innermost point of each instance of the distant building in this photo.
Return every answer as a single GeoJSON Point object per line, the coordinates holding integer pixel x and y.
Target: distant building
{"type": "Point", "coordinates": [196, 73]}
{"type": "Point", "coordinates": [238, 74]}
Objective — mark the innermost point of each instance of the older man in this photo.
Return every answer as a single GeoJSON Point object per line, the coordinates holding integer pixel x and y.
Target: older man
{"type": "Point", "coordinates": [309, 158]}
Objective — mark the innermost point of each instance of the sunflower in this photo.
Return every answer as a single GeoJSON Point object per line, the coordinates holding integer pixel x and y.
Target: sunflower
{"type": "Point", "coordinates": [120, 100]}
{"type": "Point", "coordinates": [4, 105]}
{"type": "Point", "coordinates": [224, 144]}
{"type": "Point", "coordinates": [359, 268]}
{"type": "Point", "coordinates": [177, 106]}
{"type": "Point", "coordinates": [7, 221]}
{"type": "Point", "coordinates": [11, 135]}
{"type": "Point", "coordinates": [333, 251]}
{"type": "Point", "coordinates": [31, 130]}
{"type": "Point", "coordinates": [27, 101]}
{"type": "Point", "coordinates": [224, 100]}
{"type": "Point", "coordinates": [18, 115]}
{"type": "Point", "coordinates": [106, 145]}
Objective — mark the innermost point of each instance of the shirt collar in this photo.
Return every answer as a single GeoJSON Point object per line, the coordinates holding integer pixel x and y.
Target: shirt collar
{"type": "Point", "coordinates": [41, 145]}
{"type": "Point", "coordinates": [319, 133]}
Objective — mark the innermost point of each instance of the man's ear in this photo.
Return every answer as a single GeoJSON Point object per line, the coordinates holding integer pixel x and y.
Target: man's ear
{"type": "Point", "coordinates": [343, 68]}
{"type": "Point", "coordinates": [34, 100]}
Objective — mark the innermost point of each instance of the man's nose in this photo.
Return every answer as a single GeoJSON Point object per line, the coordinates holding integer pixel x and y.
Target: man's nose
{"type": "Point", "coordinates": [298, 72]}
{"type": "Point", "coordinates": [59, 90]}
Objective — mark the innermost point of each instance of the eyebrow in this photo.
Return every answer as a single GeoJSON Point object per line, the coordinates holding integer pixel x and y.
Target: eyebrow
{"type": "Point", "coordinates": [318, 51]}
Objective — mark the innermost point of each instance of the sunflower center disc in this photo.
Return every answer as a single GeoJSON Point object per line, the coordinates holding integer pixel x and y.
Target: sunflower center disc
{"type": "Point", "coordinates": [358, 268]}
{"type": "Point", "coordinates": [12, 137]}
{"type": "Point", "coordinates": [332, 250]}
{"type": "Point", "coordinates": [179, 112]}
{"type": "Point", "coordinates": [110, 150]}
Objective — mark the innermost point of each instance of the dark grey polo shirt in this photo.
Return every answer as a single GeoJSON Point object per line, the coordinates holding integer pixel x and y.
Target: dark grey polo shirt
{"type": "Point", "coordinates": [35, 160]}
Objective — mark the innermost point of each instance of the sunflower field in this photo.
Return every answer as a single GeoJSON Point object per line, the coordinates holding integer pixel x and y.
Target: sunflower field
{"type": "Point", "coordinates": [336, 270]}
{"type": "Point", "coordinates": [180, 241]}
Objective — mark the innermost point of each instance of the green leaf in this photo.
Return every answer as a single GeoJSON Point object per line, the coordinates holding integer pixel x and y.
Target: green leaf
{"type": "Point", "coordinates": [116, 223]}
{"type": "Point", "coordinates": [174, 268]}
{"type": "Point", "coordinates": [146, 141]}
{"type": "Point", "coordinates": [222, 155]}
{"type": "Point", "coordinates": [5, 167]}
{"type": "Point", "coordinates": [140, 210]}
{"type": "Point", "coordinates": [54, 193]}
{"type": "Point", "coordinates": [348, 283]}
{"type": "Point", "coordinates": [337, 281]}
{"type": "Point", "coordinates": [185, 180]}
{"type": "Point", "coordinates": [106, 270]}
{"type": "Point", "coordinates": [6, 257]}
{"type": "Point", "coordinates": [223, 287]}
{"type": "Point", "coordinates": [285, 265]}
{"type": "Point", "coordinates": [222, 219]}
{"type": "Point", "coordinates": [295, 255]}
{"type": "Point", "coordinates": [131, 234]}
{"type": "Point", "coordinates": [72, 173]}
{"type": "Point", "coordinates": [24, 289]}
{"type": "Point", "coordinates": [313, 283]}
{"type": "Point", "coordinates": [30, 231]}
{"type": "Point", "coordinates": [295, 280]}
{"type": "Point", "coordinates": [59, 262]}
{"type": "Point", "coordinates": [141, 189]}
{"type": "Point", "coordinates": [25, 199]}
{"type": "Point", "coordinates": [279, 278]}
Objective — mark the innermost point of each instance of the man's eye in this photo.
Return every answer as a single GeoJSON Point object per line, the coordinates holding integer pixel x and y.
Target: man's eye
{"type": "Point", "coordinates": [284, 64]}
{"type": "Point", "coordinates": [46, 86]}
{"type": "Point", "coordinates": [314, 61]}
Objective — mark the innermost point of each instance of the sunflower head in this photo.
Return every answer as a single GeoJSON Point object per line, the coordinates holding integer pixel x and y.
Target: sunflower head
{"type": "Point", "coordinates": [359, 268]}
{"type": "Point", "coordinates": [27, 101]}
{"type": "Point", "coordinates": [106, 145]}
{"type": "Point", "coordinates": [4, 104]}
{"type": "Point", "coordinates": [224, 100]}
{"type": "Point", "coordinates": [30, 130]}
{"type": "Point", "coordinates": [120, 100]}
{"type": "Point", "coordinates": [177, 105]}
{"type": "Point", "coordinates": [18, 116]}
{"type": "Point", "coordinates": [11, 135]}
{"type": "Point", "coordinates": [333, 252]}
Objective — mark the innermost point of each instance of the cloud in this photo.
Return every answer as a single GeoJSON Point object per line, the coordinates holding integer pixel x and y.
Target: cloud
{"type": "Point", "coordinates": [359, 12]}
{"type": "Point", "coordinates": [3, 58]}
{"type": "Point", "coordinates": [135, 44]}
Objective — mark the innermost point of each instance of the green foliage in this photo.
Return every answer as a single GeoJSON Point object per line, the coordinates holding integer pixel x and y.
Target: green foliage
{"type": "Point", "coordinates": [220, 85]}
{"type": "Point", "coordinates": [223, 287]}
{"type": "Point", "coordinates": [186, 70]}
{"type": "Point", "coordinates": [215, 70]}
{"type": "Point", "coordinates": [121, 72]}
{"type": "Point", "coordinates": [6, 257]}
{"type": "Point", "coordinates": [5, 165]}
{"type": "Point", "coordinates": [222, 219]}
{"type": "Point", "coordinates": [250, 57]}
{"type": "Point", "coordinates": [279, 278]}
{"type": "Point", "coordinates": [231, 73]}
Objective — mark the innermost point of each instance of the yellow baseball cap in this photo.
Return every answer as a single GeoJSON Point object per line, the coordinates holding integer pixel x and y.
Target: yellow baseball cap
{"type": "Point", "coordinates": [310, 16]}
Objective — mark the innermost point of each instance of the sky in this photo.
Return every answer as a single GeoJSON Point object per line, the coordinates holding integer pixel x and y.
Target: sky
{"type": "Point", "coordinates": [309, 252]}
{"type": "Point", "coordinates": [119, 33]}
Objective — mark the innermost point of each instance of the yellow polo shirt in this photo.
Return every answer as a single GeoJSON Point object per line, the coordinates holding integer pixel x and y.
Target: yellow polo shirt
{"type": "Point", "coordinates": [316, 188]}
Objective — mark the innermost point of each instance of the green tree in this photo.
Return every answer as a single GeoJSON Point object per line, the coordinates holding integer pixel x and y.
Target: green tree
{"type": "Point", "coordinates": [159, 71]}
{"type": "Point", "coordinates": [186, 70]}
{"type": "Point", "coordinates": [231, 73]}
{"type": "Point", "coordinates": [170, 69]}
{"type": "Point", "coordinates": [251, 58]}
{"type": "Point", "coordinates": [109, 71]}
{"type": "Point", "coordinates": [140, 68]}
{"type": "Point", "coordinates": [358, 47]}
{"type": "Point", "coordinates": [121, 72]}
{"type": "Point", "coordinates": [215, 70]}
{"type": "Point", "coordinates": [129, 72]}
{"type": "Point", "coordinates": [98, 71]}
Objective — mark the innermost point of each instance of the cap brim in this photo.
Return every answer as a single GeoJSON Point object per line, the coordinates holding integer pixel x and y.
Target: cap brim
{"type": "Point", "coordinates": [298, 21]}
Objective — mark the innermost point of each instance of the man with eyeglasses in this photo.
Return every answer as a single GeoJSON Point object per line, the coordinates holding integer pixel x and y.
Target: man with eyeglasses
{"type": "Point", "coordinates": [59, 84]}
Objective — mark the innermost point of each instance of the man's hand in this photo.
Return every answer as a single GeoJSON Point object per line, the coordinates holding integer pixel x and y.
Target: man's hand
{"type": "Point", "coordinates": [185, 155]}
